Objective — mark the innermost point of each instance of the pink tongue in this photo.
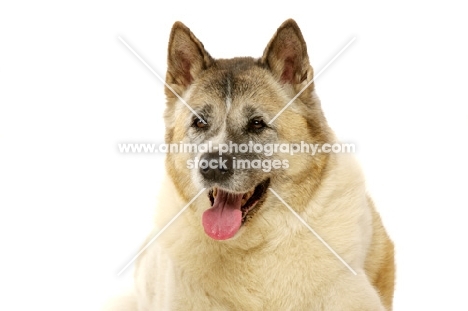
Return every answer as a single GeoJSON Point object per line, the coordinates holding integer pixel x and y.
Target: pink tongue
{"type": "Point", "coordinates": [224, 219]}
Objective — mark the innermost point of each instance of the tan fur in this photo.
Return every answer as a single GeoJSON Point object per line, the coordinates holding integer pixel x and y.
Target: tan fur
{"type": "Point", "coordinates": [274, 262]}
{"type": "Point", "coordinates": [380, 265]}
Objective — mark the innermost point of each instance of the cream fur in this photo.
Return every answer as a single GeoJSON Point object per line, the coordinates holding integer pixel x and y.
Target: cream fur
{"type": "Point", "coordinates": [282, 267]}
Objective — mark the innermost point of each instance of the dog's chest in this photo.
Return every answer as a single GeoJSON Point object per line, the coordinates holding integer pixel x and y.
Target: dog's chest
{"type": "Point", "coordinates": [247, 281]}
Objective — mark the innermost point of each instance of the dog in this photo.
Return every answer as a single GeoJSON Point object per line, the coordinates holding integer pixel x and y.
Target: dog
{"type": "Point", "coordinates": [237, 245]}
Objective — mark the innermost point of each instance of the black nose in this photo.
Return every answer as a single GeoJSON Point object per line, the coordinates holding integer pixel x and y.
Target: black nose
{"type": "Point", "coordinates": [215, 167]}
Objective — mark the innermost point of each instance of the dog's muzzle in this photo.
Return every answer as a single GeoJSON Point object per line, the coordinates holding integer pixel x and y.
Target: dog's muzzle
{"type": "Point", "coordinates": [216, 168]}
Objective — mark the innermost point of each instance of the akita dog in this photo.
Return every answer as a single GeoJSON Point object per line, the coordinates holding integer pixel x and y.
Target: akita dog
{"type": "Point", "coordinates": [238, 246]}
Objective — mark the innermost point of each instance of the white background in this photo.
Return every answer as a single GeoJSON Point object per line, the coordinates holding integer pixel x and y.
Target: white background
{"type": "Point", "coordinates": [74, 211]}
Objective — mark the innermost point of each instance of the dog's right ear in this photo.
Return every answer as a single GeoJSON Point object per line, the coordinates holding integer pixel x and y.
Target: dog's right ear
{"type": "Point", "coordinates": [186, 57]}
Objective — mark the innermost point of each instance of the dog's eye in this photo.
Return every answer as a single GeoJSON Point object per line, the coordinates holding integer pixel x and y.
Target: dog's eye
{"type": "Point", "coordinates": [198, 123]}
{"type": "Point", "coordinates": [256, 124]}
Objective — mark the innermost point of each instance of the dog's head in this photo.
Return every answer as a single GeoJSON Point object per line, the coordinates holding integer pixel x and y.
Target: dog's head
{"type": "Point", "coordinates": [224, 113]}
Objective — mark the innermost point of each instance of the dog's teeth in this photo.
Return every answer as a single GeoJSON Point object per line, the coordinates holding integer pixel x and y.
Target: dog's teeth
{"type": "Point", "coordinates": [215, 192]}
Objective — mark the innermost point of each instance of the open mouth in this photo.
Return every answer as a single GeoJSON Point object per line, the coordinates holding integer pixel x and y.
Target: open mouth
{"type": "Point", "coordinates": [249, 199]}
{"type": "Point", "coordinates": [230, 210]}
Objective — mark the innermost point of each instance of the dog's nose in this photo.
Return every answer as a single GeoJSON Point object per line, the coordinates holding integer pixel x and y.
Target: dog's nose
{"type": "Point", "coordinates": [215, 167]}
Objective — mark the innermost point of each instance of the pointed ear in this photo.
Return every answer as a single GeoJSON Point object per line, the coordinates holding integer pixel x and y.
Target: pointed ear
{"type": "Point", "coordinates": [286, 54]}
{"type": "Point", "coordinates": [186, 56]}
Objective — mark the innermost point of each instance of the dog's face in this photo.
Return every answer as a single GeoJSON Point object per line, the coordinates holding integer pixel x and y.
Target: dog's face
{"type": "Point", "coordinates": [232, 108]}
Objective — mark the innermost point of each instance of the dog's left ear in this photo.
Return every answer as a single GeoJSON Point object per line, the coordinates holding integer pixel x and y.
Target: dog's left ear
{"type": "Point", "coordinates": [286, 54]}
